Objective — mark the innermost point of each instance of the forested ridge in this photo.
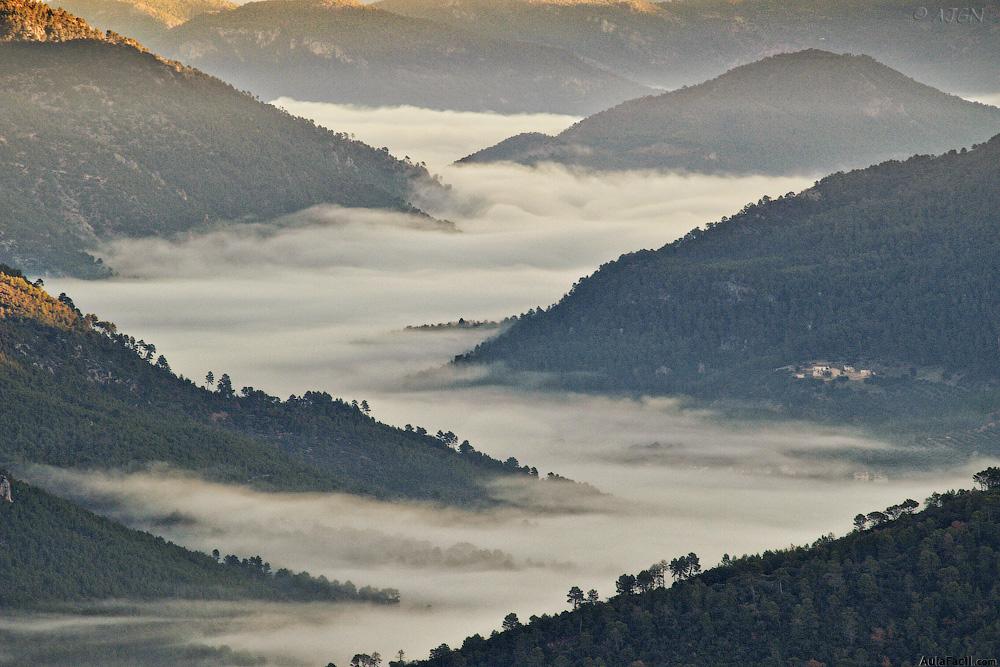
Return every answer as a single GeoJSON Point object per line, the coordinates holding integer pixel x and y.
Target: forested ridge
{"type": "Point", "coordinates": [22, 21]}
{"type": "Point", "coordinates": [901, 586]}
{"type": "Point", "coordinates": [145, 20]}
{"type": "Point", "coordinates": [55, 552]}
{"type": "Point", "coordinates": [78, 393]}
{"type": "Point", "coordinates": [181, 150]}
{"type": "Point", "coordinates": [891, 267]}
{"type": "Point", "coordinates": [836, 111]}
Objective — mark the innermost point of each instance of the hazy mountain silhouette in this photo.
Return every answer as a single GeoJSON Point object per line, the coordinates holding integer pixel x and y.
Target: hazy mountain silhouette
{"type": "Point", "coordinates": [809, 111]}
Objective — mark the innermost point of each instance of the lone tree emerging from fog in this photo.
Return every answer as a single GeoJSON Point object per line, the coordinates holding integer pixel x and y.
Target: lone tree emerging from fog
{"type": "Point", "coordinates": [575, 597]}
{"type": "Point", "coordinates": [210, 379]}
{"type": "Point", "coordinates": [593, 597]}
{"type": "Point", "coordinates": [510, 622]}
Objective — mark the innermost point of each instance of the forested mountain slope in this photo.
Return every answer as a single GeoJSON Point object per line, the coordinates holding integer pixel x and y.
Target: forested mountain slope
{"type": "Point", "coordinates": [682, 42]}
{"type": "Point", "coordinates": [145, 20]}
{"type": "Point", "coordinates": [922, 584]}
{"type": "Point", "coordinates": [806, 112]}
{"type": "Point", "coordinates": [345, 51]}
{"type": "Point", "coordinates": [76, 393]}
{"type": "Point", "coordinates": [892, 268]}
{"type": "Point", "coordinates": [100, 140]}
{"type": "Point", "coordinates": [54, 551]}
{"type": "Point", "coordinates": [35, 21]}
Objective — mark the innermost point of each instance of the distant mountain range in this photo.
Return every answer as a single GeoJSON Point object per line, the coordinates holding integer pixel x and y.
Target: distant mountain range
{"type": "Point", "coordinates": [681, 42]}
{"type": "Point", "coordinates": [912, 584]}
{"type": "Point", "coordinates": [640, 40]}
{"type": "Point", "coordinates": [77, 393]}
{"type": "Point", "coordinates": [567, 56]}
{"type": "Point", "coordinates": [890, 268]}
{"type": "Point", "coordinates": [805, 112]}
{"type": "Point", "coordinates": [345, 51]}
{"type": "Point", "coordinates": [100, 139]}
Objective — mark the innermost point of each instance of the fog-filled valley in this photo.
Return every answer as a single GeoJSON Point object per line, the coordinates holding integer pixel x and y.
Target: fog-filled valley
{"type": "Point", "coordinates": [513, 333]}
{"type": "Point", "coordinates": [329, 291]}
{"type": "Point", "coordinates": [323, 300]}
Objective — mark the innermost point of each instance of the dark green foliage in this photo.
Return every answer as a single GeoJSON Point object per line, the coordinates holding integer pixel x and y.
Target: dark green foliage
{"type": "Point", "coordinates": [922, 585]}
{"type": "Point", "coordinates": [891, 267]}
{"type": "Point", "coordinates": [54, 551]}
{"type": "Point", "coordinates": [344, 51]}
{"type": "Point", "coordinates": [836, 111]}
{"type": "Point", "coordinates": [77, 393]}
{"type": "Point", "coordinates": [134, 643]}
{"type": "Point", "coordinates": [180, 150]}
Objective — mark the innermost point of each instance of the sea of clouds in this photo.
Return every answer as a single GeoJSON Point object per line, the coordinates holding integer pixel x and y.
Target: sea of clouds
{"type": "Point", "coordinates": [322, 301]}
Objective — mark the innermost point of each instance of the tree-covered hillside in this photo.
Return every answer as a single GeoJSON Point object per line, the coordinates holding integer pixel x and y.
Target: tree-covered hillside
{"type": "Point", "coordinates": [806, 112]}
{"type": "Point", "coordinates": [902, 586]}
{"type": "Point", "coordinates": [77, 393]}
{"type": "Point", "coordinates": [100, 140]}
{"type": "Point", "coordinates": [145, 20]}
{"type": "Point", "coordinates": [37, 22]}
{"type": "Point", "coordinates": [54, 551]}
{"type": "Point", "coordinates": [891, 268]}
{"type": "Point", "coordinates": [344, 51]}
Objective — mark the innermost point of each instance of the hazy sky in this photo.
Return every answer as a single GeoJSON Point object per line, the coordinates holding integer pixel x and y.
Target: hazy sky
{"type": "Point", "coordinates": [323, 302]}
{"type": "Point", "coordinates": [988, 99]}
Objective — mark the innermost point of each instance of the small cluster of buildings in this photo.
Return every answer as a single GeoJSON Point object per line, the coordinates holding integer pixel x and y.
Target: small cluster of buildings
{"type": "Point", "coordinates": [823, 371]}
{"type": "Point", "coordinates": [866, 476]}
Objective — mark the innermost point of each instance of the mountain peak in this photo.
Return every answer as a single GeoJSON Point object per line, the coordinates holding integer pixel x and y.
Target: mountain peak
{"type": "Point", "coordinates": [801, 112]}
{"type": "Point", "coordinates": [31, 21]}
{"type": "Point", "coordinates": [811, 58]}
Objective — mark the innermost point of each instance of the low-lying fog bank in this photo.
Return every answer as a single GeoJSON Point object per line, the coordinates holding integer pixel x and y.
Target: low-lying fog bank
{"type": "Point", "coordinates": [435, 137]}
{"type": "Point", "coordinates": [323, 302]}
{"type": "Point", "coordinates": [459, 573]}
